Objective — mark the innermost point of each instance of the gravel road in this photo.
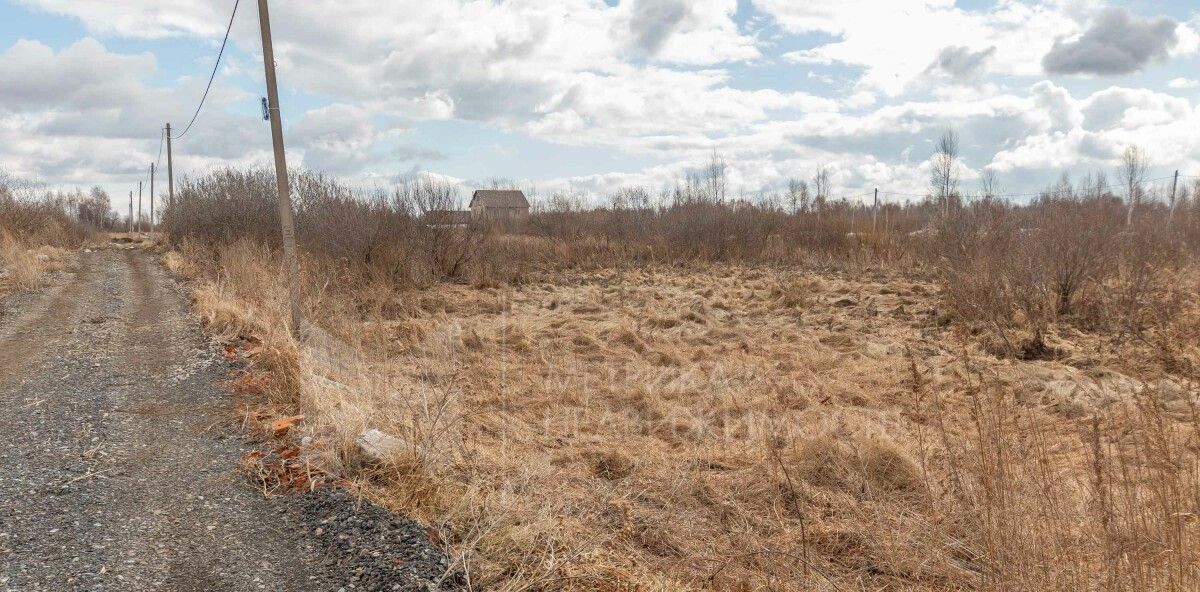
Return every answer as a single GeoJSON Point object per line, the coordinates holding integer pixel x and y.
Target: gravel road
{"type": "Point", "coordinates": [118, 459]}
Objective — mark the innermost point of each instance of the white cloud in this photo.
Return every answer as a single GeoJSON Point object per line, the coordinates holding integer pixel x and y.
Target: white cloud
{"type": "Point", "coordinates": [84, 115]}
{"type": "Point", "coordinates": [1132, 109]}
{"type": "Point", "coordinates": [1112, 119]}
{"type": "Point", "coordinates": [1115, 42]}
{"type": "Point", "coordinates": [1188, 36]}
{"type": "Point", "coordinates": [657, 79]}
{"type": "Point", "coordinates": [959, 65]}
{"type": "Point", "coordinates": [897, 43]}
{"type": "Point", "coordinates": [84, 75]}
{"type": "Point", "coordinates": [143, 19]}
{"type": "Point", "coordinates": [687, 31]}
{"type": "Point", "coordinates": [645, 103]}
{"type": "Point", "coordinates": [338, 138]}
{"type": "Point", "coordinates": [345, 140]}
{"type": "Point", "coordinates": [1182, 83]}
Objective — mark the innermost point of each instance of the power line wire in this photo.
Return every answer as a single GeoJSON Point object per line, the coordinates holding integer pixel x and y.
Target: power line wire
{"type": "Point", "coordinates": [162, 133]}
{"type": "Point", "coordinates": [213, 76]}
{"type": "Point", "coordinates": [158, 159]}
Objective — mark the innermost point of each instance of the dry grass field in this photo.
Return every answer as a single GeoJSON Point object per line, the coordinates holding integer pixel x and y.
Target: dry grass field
{"type": "Point", "coordinates": [711, 394]}
{"type": "Point", "coordinates": [735, 426]}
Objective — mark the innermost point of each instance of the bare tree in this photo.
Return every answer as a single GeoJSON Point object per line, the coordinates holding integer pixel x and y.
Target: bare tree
{"type": "Point", "coordinates": [716, 178]}
{"type": "Point", "coordinates": [630, 198]}
{"type": "Point", "coordinates": [798, 196]}
{"type": "Point", "coordinates": [770, 200]}
{"type": "Point", "coordinates": [500, 183]}
{"type": "Point", "coordinates": [1134, 166]}
{"type": "Point", "coordinates": [821, 184]}
{"type": "Point", "coordinates": [424, 195]}
{"type": "Point", "coordinates": [1063, 189]}
{"type": "Point", "coordinates": [943, 177]}
{"type": "Point", "coordinates": [989, 185]}
{"type": "Point", "coordinates": [94, 209]}
{"type": "Point", "coordinates": [1093, 185]}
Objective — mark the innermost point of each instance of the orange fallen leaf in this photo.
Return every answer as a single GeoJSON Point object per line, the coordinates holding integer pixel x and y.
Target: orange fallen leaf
{"type": "Point", "coordinates": [281, 426]}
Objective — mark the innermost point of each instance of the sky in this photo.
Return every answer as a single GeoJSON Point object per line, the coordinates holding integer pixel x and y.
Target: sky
{"type": "Point", "coordinates": [589, 96]}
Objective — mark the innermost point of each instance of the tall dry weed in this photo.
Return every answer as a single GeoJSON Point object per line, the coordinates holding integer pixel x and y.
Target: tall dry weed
{"type": "Point", "coordinates": [23, 268]}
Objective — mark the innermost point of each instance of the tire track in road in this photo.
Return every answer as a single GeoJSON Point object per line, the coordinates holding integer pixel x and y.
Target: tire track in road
{"type": "Point", "coordinates": [25, 335]}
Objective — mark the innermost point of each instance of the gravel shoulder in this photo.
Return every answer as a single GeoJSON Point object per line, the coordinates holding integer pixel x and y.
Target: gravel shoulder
{"type": "Point", "coordinates": [118, 469]}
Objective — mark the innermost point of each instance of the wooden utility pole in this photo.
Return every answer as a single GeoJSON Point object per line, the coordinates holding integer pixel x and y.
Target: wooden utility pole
{"type": "Point", "coordinates": [281, 174]}
{"type": "Point", "coordinates": [139, 198]}
{"type": "Point", "coordinates": [170, 172]}
{"type": "Point", "coordinates": [1171, 214]}
{"type": "Point", "coordinates": [152, 171]}
{"type": "Point", "coordinates": [131, 211]}
{"type": "Point", "coordinates": [139, 216]}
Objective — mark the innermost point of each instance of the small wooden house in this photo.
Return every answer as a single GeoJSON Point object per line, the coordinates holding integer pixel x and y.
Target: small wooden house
{"type": "Point", "coordinates": [500, 205]}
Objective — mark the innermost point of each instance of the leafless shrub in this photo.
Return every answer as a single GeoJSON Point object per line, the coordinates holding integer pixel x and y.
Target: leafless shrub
{"type": "Point", "coordinates": [1066, 256]}
{"type": "Point", "coordinates": [39, 217]}
{"type": "Point", "coordinates": [447, 245]}
{"type": "Point", "coordinates": [1076, 243]}
{"type": "Point", "coordinates": [35, 225]}
{"type": "Point", "coordinates": [988, 273]}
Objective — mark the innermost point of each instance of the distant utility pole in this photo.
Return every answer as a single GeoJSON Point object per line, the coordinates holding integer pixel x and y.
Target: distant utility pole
{"type": "Point", "coordinates": [1171, 214]}
{"type": "Point", "coordinates": [290, 257]}
{"type": "Point", "coordinates": [131, 211]}
{"type": "Point", "coordinates": [139, 216]}
{"type": "Point", "coordinates": [152, 172]}
{"type": "Point", "coordinates": [170, 172]}
{"type": "Point", "coordinates": [139, 198]}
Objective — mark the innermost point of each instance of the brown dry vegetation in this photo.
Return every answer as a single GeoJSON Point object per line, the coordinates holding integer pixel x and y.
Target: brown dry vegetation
{"type": "Point", "coordinates": [716, 396]}
{"type": "Point", "coordinates": [36, 227]}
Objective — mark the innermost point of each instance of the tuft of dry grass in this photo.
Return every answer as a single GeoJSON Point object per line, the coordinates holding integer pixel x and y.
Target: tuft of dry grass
{"type": "Point", "coordinates": [24, 268]}
{"type": "Point", "coordinates": [21, 267]}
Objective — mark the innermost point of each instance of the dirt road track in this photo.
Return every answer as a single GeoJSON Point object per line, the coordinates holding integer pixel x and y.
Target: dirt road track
{"type": "Point", "coordinates": [117, 458]}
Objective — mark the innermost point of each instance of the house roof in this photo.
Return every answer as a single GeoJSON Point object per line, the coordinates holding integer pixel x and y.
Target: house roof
{"type": "Point", "coordinates": [499, 198]}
